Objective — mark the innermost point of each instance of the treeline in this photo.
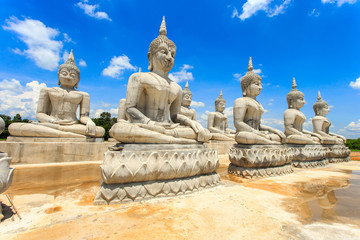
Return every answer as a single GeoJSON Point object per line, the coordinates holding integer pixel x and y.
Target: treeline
{"type": "Point", "coordinates": [105, 120]}
{"type": "Point", "coordinates": [353, 144]}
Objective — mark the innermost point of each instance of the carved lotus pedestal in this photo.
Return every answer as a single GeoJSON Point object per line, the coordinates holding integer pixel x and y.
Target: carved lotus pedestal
{"type": "Point", "coordinates": [309, 156]}
{"type": "Point", "coordinates": [140, 171]}
{"type": "Point", "coordinates": [255, 161]}
{"type": "Point", "coordinates": [6, 175]}
{"type": "Point", "coordinates": [338, 153]}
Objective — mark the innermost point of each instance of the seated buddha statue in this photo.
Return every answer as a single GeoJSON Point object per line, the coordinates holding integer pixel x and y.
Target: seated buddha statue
{"type": "Point", "coordinates": [218, 122]}
{"type": "Point", "coordinates": [321, 124]}
{"type": "Point", "coordinates": [248, 111]}
{"type": "Point", "coordinates": [186, 102]}
{"type": "Point", "coordinates": [153, 102]}
{"type": "Point", "coordinates": [57, 108]}
{"type": "Point", "coordinates": [294, 119]}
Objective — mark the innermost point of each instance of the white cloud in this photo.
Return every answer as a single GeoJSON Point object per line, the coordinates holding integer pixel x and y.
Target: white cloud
{"type": "Point", "coordinates": [117, 66]}
{"type": "Point", "coordinates": [197, 104]}
{"type": "Point", "coordinates": [91, 10]}
{"type": "Point", "coordinates": [314, 13]}
{"type": "Point", "coordinates": [271, 101]}
{"type": "Point", "coordinates": [356, 84]}
{"type": "Point", "coordinates": [251, 7]}
{"type": "Point", "coordinates": [272, 122]}
{"type": "Point", "coordinates": [183, 75]}
{"type": "Point", "coordinates": [16, 98]}
{"type": "Point", "coordinates": [229, 111]}
{"type": "Point", "coordinates": [338, 2]}
{"type": "Point", "coordinates": [67, 38]}
{"type": "Point", "coordinates": [42, 48]}
{"type": "Point", "coordinates": [65, 55]}
{"type": "Point", "coordinates": [82, 63]}
{"type": "Point", "coordinates": [237, 76]}
{"type": "Point", "coordinates": [257, 71]}
{"type": "Point", "coordinates": [96, 113]}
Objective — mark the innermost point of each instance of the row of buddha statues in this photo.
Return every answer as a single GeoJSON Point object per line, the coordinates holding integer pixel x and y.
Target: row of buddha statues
{"type": "Point", "coordinates": [160, 150]}
{"type": "Point", "coordinates": [157, 110]}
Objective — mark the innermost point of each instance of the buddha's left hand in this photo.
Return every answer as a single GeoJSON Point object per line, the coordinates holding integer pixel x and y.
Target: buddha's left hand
{"type": "Point", "coordinates": [90, 128]}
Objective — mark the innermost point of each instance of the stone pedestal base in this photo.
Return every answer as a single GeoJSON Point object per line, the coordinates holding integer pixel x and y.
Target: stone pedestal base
{"type": "Point", "coordinates": [254, 161]}
{"type": "Point", "coordinates": [338, 153]}
{"type": "Point", "coordinates": [53, 150]}
{"type": "Point", "coordinates": [309, 156]}
{"type": "Point", "coordinates": [141, 171]}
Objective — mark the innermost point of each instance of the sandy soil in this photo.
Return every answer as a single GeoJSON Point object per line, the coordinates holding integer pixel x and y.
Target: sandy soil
{"type": "Point", "coordinates": [309, 204]}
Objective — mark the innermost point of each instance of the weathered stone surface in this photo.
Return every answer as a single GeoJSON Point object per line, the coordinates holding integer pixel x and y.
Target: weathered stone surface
{"type": "Point", "coordinates": [47, 139]}
{"type": "Point", "coordinates": [51, 152]}
{"type": "Point", "coordinates": [260, 160]}
{"type": "Point", "coordinates": [338, 153]}
{"type": "Point", "coordinates": [120, 193]}
{"type": "Point", "coordinates": [260, 172]}
{"type": "Point", "coordinates": [140, 171]}
{"type": "Point", "coordinates": [156, 164]}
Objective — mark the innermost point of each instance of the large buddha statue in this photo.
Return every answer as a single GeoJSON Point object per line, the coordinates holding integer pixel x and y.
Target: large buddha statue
{"type": "Point", "coordinates": [294, 119]}
{"type": "Point", "coordinates": [321, 124]}
{"type": "Point", "coordinates": [218, 122]}
{"type": "Point", "coordinates": [186, 102]}
{"type": "Point", "coordinates": [57, 108]}
{"type": "Point", "coordinates": [153, 102]}
{"type": "Point", "coordinates": [248, 111]}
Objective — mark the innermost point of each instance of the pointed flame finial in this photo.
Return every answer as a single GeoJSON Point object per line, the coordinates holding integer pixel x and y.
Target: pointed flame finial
{"type": "Point", "coordinates": [221, 95]}
{"type": "Point", "coordinates": [294, 84]}
{"type": "Point", "coordinates": [319, 96]}
{"type": "Point", "coordinates": [187, 84]}
{"type": "Point", "coordinates": [250, 65]}
{"type": "Point", "coordinates": [163, 27]}
{"type": "Point", "coordinates": [71, 57]}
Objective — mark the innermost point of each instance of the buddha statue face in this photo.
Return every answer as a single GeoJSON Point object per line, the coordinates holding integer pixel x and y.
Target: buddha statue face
{"type": "Point", "coordinates": [186, 100]}
{"type": "Point", "coordinates": [163, 57]}
{"type": "Point", "coordinates": [254, 88]}
{"type": "Point", "coordinates": [296, 100]}
{"type": "Point", "coordinates": [321, 108]}
{"type": "Point", "coordinates": [220, 106]}
{"type": "Point", "coordinates": [324, 110]}
{"type": "Point", "coordinates": [68, 77]}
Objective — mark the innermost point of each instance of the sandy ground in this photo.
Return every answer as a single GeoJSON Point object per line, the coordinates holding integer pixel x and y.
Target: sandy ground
{"type": "Point", "coordinates": [308, 204]}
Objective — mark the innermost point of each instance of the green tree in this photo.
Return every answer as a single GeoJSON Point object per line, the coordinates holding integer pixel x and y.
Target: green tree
{"type": "Point", "coordinates": [106, 122]}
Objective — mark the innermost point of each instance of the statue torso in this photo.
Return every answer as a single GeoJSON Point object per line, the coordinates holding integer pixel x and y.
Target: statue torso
{"type": "Point", "coordinates": [326, 125]}
{"type": "Point", "coordinates": [157, 96]}
{"type": "Point", "coordinates": [188, 112]}
{"type": "Point", "coordinates": [64, 104]}
{"type": "Point", "coordinates": [298, 120]}
{"type": "Point", "coordinates": [254, 110]}
{"type": "Point", "coordinates": [220, 121]}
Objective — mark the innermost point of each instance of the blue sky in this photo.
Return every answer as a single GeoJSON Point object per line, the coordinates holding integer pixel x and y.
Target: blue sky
{"type": "Point", "coordinates": [315, 41]}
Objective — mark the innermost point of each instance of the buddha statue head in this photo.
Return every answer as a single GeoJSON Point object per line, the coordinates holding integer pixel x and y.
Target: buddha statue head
{"type": "Point", "coordinates": [295, 98]}
{"type": "Point", "coordinates": [321, 108]}
{"type": "Point", "coordinates": [251, 82]}
{"type": "Point", "coordinates": [69, 73]}
{"type": "Point", "coordinates": [220, 103]}
{"type": "Point", "coordinates": [186, 96]}
{"type": "Point", "coordinates": [162, 51]}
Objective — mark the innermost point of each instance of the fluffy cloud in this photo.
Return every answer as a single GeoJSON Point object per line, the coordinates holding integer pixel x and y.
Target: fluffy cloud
{"type": "Point", "coordinates": [338, 2]}
{"type": "Point", "coordinates": [356, 84]}
{"type": "Point", "coordinates": [39, 39]}
{"type": "Point", "coordinates": [251, 7]}
{"type": "Point", "coordinates": [197, 104]}
{"type": "Point", "coordinates": [183, 75]}
{"type": "Point", "coordinates": [82, 63]}
{"type": "Point", "coordinates": [92, 11]}
{"type": "Point", "coordinates": [237, 76]}
{"type": "Point", "coordinates": [117, 66]}
{"type": "Point", "coordinates": [19, 99]}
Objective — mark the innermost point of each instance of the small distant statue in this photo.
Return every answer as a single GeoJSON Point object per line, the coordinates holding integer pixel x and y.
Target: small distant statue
{"type": "Point", "coordinates": [248, 111]}
{"type": "Point", "coordinates": [321, 124]}
{"type": "Point", "coordinates": [218, 122]}
{"type": "Point", "coordinates": [186, 102]}
{"type": "Point", "coordinates": [294, 119]}
{"type": "Point", "coordinates": [57, 108]}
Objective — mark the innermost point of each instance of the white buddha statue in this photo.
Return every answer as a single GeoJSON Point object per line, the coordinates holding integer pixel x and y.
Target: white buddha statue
{"type": "Point", "coordinates": [248, 111]}
{"type": "Point", "coordinates": [57, 108]}
{"type": "Point", "coordinates": [153, 102]}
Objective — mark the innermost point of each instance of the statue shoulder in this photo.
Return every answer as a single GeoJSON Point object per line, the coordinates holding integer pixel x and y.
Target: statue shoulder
{"type": "Point", "coordinates": [85, 94]}
{"type": "Point", "coordinates": [240, 102]}
{"type": "Point", "coordinates": [140, 76]}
